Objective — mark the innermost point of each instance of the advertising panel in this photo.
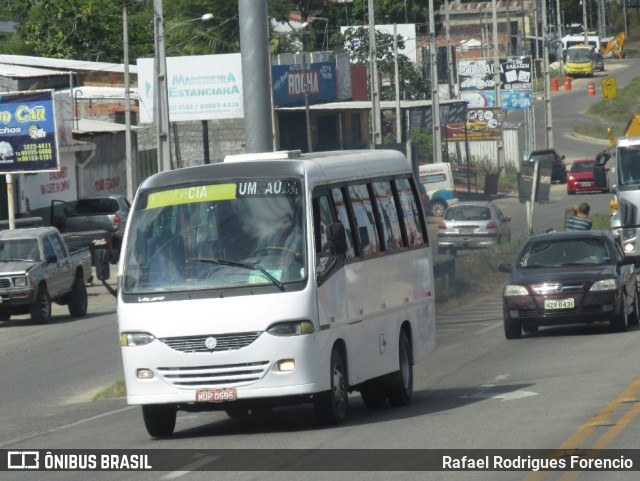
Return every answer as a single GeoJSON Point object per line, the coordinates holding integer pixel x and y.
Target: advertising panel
{"type": "Point", "coordinates": [511, 99]}
{"type": "Point", "coordinates": [289, 83]}
{"type": "Point", "coordinates": [482, 124]}
{"type": "Point", "coordinates": [28, 141]}
{"type": "Point", "coordinates": [516, 73]}
{"type": "Point", "coordinates": [200, 87]}
{"type": "Point", "coordinates": [476, 74]}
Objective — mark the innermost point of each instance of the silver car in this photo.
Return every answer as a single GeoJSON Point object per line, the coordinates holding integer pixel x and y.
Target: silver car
{"type": "Point", "coordinates": [471, 225]}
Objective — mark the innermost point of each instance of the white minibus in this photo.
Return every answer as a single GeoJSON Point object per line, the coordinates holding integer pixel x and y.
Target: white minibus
{"type": "Point", "coordinates": [275, 279]}
{"type": "Point", "coordinates": [438, 180]}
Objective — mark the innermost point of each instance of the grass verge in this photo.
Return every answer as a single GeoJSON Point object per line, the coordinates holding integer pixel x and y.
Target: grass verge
{"type": "Point", "coordinates": [115, 390]}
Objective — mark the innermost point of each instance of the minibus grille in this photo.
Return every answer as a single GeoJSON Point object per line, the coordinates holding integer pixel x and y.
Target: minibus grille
{"type": "Point", "coordinates": [227, 375]}
{"type": "Point", "coordinates": [226, 342]}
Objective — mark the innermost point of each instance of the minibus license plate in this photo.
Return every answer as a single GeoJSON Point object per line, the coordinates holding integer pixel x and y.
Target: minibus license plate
{"type": "Point", "coordinates": [559, 303]}
{"type": "Point", "coordinates": [216, 395]}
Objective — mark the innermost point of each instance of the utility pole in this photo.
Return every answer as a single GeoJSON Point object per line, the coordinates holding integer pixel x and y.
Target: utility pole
{"type": "Point", "coordinates": [131, 171]}
{"type": "Point", "coordinates": [547, 78]}
{"type": "Point", "coordinates": [584, 21]}
{"type": "Point", "coordinates": [559, 55]}
{"type": "Point", "coordinates": [397, 84]}
{"type": "Point", "coordinates": [256, 67]}
{"type": "Point", "coordinates": [375, 90]}
{"type": "Point", "coordinates": [306, 102]}
{"type": "Point", "coordinates": [435, 101]}
{"type": "Point", "coordinates": [449, 53]}
{"type": "Point", "coordinates": [161, 93]}
{"type": "Point", "coordinates": [496, 77]}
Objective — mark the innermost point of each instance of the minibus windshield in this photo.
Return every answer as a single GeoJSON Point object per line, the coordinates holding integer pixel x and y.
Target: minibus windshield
{"type": "Point", "coordinates": [232, 234]}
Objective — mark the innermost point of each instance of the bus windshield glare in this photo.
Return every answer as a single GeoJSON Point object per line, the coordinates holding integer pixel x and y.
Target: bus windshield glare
{"type": "Point", "coordinates": [214, 236]}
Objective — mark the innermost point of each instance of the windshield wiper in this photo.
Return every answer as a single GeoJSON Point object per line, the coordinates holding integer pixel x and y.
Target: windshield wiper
{"type": "Point", "coordinates": [244, 265]}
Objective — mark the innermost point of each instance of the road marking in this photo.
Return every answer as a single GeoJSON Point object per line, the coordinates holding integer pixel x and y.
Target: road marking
{"type": "Point", "coordinates": [190, 467]}
{"type": "Point", "coordinates": [488, 391]}
{"type": "Point", "coordinates": [490, 327]}
{"type": "Point", "coordinates": [602, 419]}
{"type": "Point", "coordinates": [75, 423]}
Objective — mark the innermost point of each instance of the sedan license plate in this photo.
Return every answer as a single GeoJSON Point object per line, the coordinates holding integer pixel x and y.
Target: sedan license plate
{"type": "Point", "coordinates": [216, 395]}
{"type": "Point", "coordinates": [585, 184]}
{"type": "Point", "coordinates": [559, 303]}
{"type": "Point", "coordinates": [466, 230]}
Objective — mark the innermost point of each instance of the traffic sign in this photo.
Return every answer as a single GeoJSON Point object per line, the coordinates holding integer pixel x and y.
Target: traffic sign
{"type": "Point", "coordinates": [609, 89]}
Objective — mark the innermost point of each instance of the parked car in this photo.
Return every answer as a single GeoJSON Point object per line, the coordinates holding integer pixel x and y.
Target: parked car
{"type": "Point", "coordinates": [569, 277]}
{"type": "Point", "coordinates": [470, 225]}
{"type": "Point", "coordinates": [581, 178]}
{"type": "Point", "coordinates": [599, 62]}
{"type": "Point", "coordinates": [91, 214]}
{"type": "Point", "coordinates": [558, 166]}
{"type": "Point", "coordinates": [36, 269]}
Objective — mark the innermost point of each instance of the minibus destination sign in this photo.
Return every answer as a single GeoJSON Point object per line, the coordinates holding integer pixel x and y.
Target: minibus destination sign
{"type": "Point", "coordinates": [228, 191]}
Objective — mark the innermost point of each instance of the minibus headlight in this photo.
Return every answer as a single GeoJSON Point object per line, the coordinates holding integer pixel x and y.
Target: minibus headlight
{"type": "Point", "coordinates": [135, 338]}
{"type": "Point", "coordinates": [294, 328]}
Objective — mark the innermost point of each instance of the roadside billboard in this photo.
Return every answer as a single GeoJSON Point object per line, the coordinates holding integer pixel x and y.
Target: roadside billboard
{"type": "Point", "coordinates": [289, 83]}
{"type": "Point", "coordinates": [200, 87]}
{"type": "Point", "coordinates": [28, 141]}
{"type": "Point", "coordinates": [482, 124]}
{"type": "Point", "coordinates": [516, 73]}
{"type": "Point", "coordinates": [511, 99]}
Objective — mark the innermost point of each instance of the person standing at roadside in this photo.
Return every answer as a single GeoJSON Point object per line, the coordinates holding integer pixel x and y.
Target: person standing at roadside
{"type": "Point", "coordinates": [580, 220]}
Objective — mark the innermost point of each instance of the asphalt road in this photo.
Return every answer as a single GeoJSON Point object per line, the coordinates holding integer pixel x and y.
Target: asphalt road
{"type": "Point", "coordinates": [564, 388]}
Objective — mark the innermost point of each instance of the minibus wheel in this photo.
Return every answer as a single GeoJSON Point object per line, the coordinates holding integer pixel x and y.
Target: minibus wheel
{"type": "Point", "coordinates": [401, 388]}
{"type": "Point", "coordinates": [160, 419]}
{"type": "Point", "coordinates": [332, 406]}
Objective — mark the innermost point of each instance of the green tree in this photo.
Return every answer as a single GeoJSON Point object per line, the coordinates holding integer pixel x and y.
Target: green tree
{"type": "Point", "coordinates": [355, 41]}
{"type": "Point", "coordinates": [76, 29]}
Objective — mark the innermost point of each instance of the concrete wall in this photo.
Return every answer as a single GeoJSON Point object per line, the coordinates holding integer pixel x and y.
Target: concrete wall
{"type": "Point", "coordinates": [513, 140]}
{"type": "Point", "coordinates": [106, 172]}
{"type": "Point", "coordinates": [225, 137]}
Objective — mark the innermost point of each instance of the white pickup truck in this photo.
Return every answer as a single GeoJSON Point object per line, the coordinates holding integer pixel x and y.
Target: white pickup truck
{"type": "Point", "coordinates": [36, 269]}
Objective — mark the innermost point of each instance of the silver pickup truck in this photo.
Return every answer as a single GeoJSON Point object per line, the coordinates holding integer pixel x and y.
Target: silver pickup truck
{"type": "Point", "coordinates": [36, 269]}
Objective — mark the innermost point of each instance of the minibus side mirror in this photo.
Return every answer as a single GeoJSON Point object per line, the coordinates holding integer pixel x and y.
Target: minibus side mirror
{"type": "Point", "coordinates": [337, 238]}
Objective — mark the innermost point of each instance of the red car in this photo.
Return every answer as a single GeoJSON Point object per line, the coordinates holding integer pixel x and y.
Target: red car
{"type": "Point", "coordinates": [581, 177]}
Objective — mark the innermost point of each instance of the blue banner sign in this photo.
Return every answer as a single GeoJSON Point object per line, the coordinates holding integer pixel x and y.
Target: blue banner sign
{"type": "Point", "coordinates": [28, 141]}
{"type": "Point", "coordinates": [289, 83]}
{"type": "Point", "coordinates": [511, 99]}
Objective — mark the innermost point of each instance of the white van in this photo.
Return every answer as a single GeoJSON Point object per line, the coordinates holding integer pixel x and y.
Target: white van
{"type": "Point", "coordinates": [275, 279]}
{"type": "Point", "coordinates": [438, 180]}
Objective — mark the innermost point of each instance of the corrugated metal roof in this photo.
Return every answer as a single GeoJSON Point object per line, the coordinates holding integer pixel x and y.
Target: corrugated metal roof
{"type": "Point", "coordinates": [19, 71]}
{"type": "Point", "coordinates": [88, 92]}
{"type": "Point", "coordinates": [366, 105]}
{"type": "Point", "coordinates": [56, 63]}
{"type": "Point", "coordinates": [87, 126]}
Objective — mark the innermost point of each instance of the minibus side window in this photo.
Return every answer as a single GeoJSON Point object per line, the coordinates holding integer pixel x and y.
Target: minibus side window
{"type": "Point", "coordinates": [322, 218]}
{"type": "Point", "coordinates": [343, 217]}
{"type": "Point", "coordinates": [410, 212]}
{"type": "Point", "coordinates": [386, 206]}
{"type": "Point", "coordinates": [365, 219]}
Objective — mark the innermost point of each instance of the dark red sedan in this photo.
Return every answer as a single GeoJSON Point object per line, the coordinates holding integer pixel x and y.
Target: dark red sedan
{"type": "Point", "coordinates": [580, 177]}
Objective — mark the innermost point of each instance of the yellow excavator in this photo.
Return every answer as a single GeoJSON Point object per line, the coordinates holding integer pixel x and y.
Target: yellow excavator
{"type": "Point", "coordinates": [613, 47]}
